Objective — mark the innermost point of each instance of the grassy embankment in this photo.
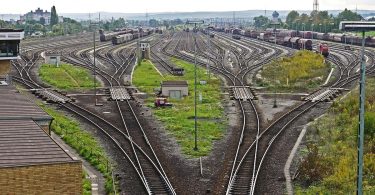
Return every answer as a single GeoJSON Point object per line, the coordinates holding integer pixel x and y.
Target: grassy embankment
{"type": "Point", "coordinates": [83, 142]}
{"type": "Point", "coordinates": [66, 77]}
{"type": "Point", "coordinates": [330, 162]}
{"type": "Point", "coordinates": [304, 71]}
{"type": "Point", "coordinates": [179, 120]}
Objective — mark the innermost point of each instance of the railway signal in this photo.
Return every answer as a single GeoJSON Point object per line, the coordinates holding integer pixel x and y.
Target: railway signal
{"type": "Point", "coordinates": [195, 81]}
{"type": "Point", "coordinates": [361, 27]}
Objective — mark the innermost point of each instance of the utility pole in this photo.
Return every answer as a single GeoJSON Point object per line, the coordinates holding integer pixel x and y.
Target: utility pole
{"type": "Point", "coordinates": [362, 27]}
{"type": "Point", "coordinates": [195, 82]}
{"type": "Point", "coordinates": [275, 100]}
{"type": "Point", "coordinates": [93, 25]}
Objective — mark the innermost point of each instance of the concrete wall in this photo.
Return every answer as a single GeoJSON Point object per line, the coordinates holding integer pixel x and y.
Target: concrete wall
{"type": "Point", "coordinates": [184, 90]}
{"type": "Point", "coordinates": [4, 67]}
{"type": "Point", "coordinates": [63, 178]}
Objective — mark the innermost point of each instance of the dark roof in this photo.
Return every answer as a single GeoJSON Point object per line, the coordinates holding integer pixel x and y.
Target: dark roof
{"type": "Point", "coordinates": [14, 105]}
{"type": "Point", "coordinates": [53, 53]}
{"type": "Point", "coordinates": [10, 30]}
{"type": "Point", "coordinates": [174, 83]}
{"type": "Point", "coordinates": [24, 143]}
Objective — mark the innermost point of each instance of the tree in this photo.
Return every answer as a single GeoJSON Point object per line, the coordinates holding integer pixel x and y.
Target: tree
{"type": "Point", "coordinates": [349, 15]}
{"type": "Point", "coordinates": [119, 23]}
{"type": "Point", "coordinates": [153, 23]}
{"type": "Point", "coordinates": [166, 24]}
{"type": "Point", "coordinates": [38, 27]}
{"type": "Point", "coordinates": [261, 21]}
{"type": "Point", "coordinates": [54, 16]}
{"type": "Point", "coordinates": [291, 17]}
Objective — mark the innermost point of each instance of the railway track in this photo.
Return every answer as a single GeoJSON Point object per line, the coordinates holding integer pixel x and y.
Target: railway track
{"type": "Point", "coordinates": [254, 144]}
{"type": "Point", "coordinates": [130, 139]}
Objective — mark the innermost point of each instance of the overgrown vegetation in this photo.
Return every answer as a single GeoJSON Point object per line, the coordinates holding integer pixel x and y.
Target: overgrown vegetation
{"type": "Point", "coordinates": [330, 165]}
{"type": "Point", "coordinates": [83, 142]}
{"type": "Point", "coordinates": [303, 71]}
{"type": "Point", "coordinates": [66, 77]}
{"type": "Point", "coordinates": [86, 185]}
{"type": "Point", "coordinates": [179, 120]}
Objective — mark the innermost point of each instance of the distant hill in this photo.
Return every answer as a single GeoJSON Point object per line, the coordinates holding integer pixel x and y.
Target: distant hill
{"type": "Point", "coordinates": [192, 15]}
{"type": "Point", "coordinates": [184, 15]}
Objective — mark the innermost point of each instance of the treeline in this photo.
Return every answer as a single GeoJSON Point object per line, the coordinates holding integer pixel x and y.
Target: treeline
{"type": "Point", "coordinates": [56, 27]}
{"type": "Point", "coordinates": [122, 23]}
{"type": "Point", "coordinates": [320, 21]}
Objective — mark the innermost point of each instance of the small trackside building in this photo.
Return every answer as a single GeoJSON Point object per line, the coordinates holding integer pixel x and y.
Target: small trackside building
{"type": "Point", "coordinates": [52, 57]}
{"type": "Point", "coordinates": [174, 89]}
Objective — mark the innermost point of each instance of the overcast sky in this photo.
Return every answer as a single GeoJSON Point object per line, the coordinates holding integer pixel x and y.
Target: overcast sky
{"type": "Point", "coordinates": [141, 6]}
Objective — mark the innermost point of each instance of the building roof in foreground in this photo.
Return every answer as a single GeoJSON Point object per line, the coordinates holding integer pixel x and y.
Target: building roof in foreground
{"type": "Point", "coordinates": [14, 105]}
{"type": "Point", "coordinates": [24, 143]}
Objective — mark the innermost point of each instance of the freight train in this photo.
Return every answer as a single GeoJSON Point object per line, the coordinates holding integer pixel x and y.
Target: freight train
{"type": "Point", "coordinates": [135, 32]}
{"type": "Point", "coordinates": [281, 33]}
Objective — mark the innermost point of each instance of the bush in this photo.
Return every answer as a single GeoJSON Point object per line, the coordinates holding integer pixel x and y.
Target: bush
{"type": "Point", "coordinates": [304, 70]}
{"type": "Point", "coordinates": [330, 166]}
{"type": "Point", "coordinates": [83, 142]}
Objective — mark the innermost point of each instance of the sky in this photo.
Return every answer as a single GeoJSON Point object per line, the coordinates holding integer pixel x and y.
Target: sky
{"type": "Point", "coordinates": [142, 6]}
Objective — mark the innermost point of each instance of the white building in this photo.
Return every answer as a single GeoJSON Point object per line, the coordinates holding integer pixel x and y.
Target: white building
{"type": "Point", "coordinates": [38, 14]}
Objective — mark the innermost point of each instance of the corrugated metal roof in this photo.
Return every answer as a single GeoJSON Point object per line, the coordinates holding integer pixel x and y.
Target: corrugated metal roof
{"type": "Point", "coordinates": [14, 105]}
{"type": "Point", "coordinates": [23, 142]}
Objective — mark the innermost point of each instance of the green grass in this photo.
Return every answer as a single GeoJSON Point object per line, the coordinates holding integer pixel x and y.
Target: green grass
{"type": "Point", "coordinates": [86, 184]}
{"type": "Point", "coordinates": [66, 77]}
{"type": "Point", "coordinates": [178, 120]}
{"type": "Point", "coordinates": [303, 71]}
{"type": "Point", "coordinates": [330, 165]}
{"type": "Point", "coordinates": [83, 142]}
{"type": "Point", "coordinates": [370, 33]}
